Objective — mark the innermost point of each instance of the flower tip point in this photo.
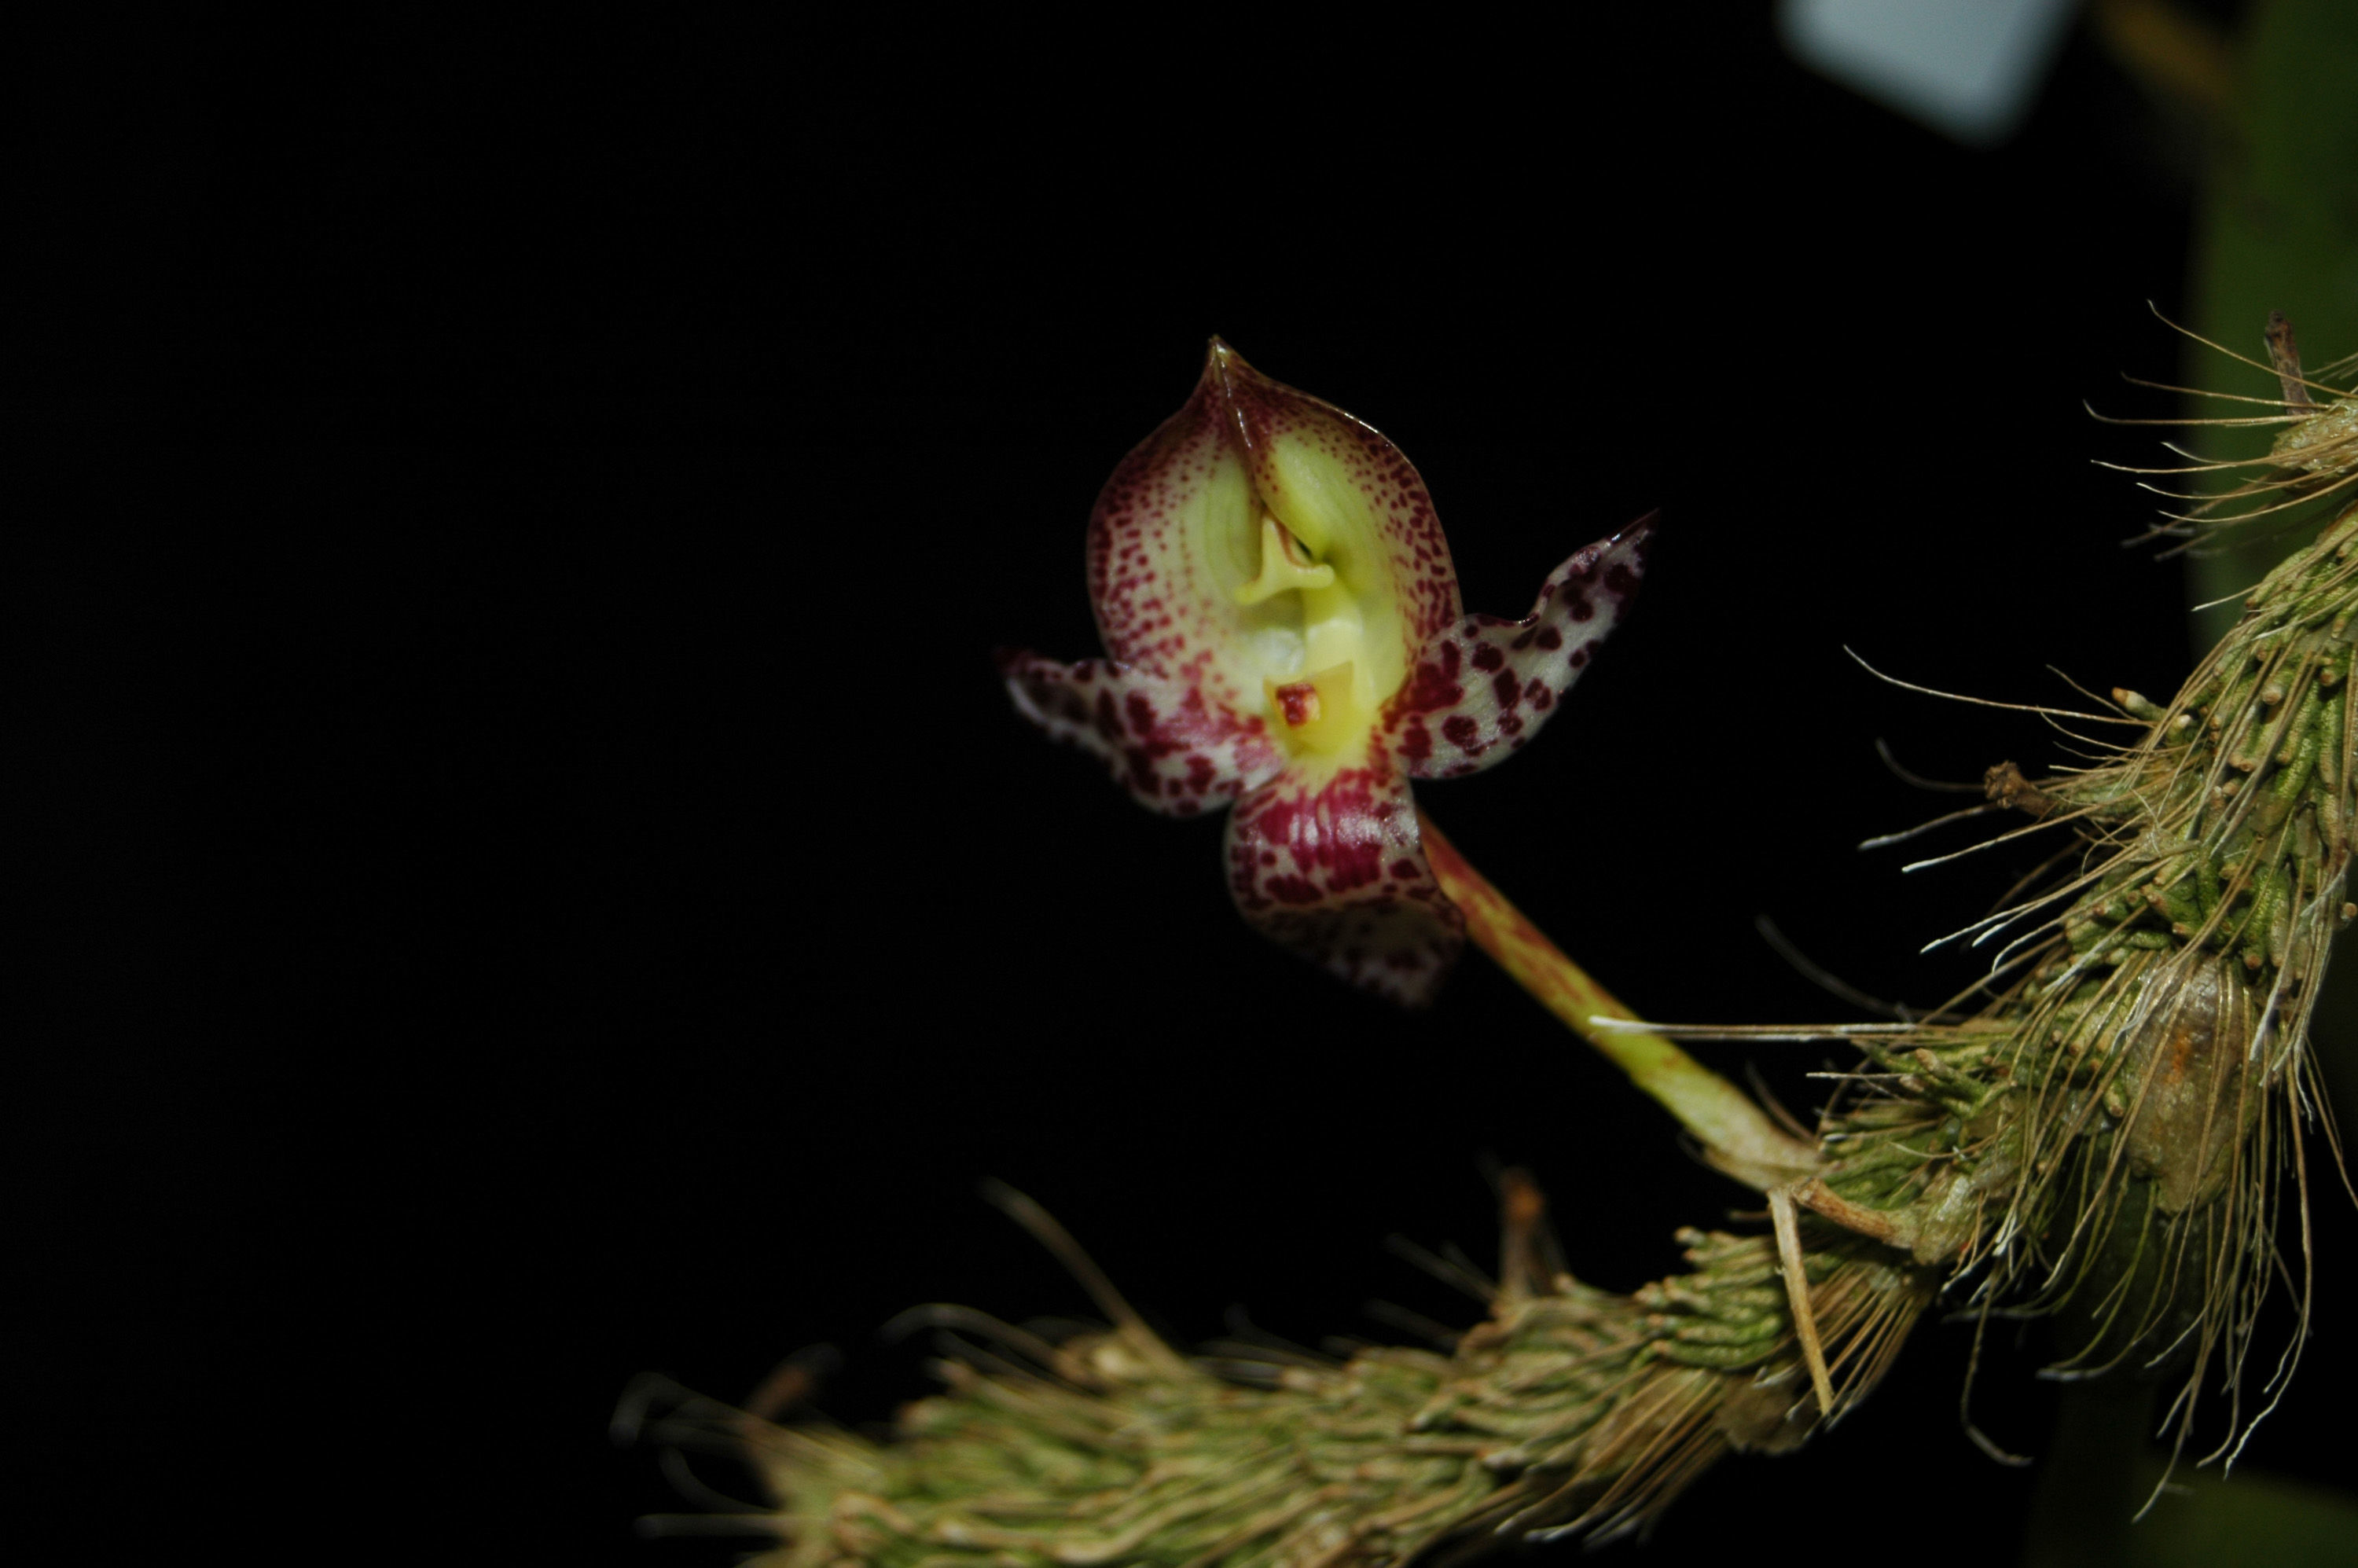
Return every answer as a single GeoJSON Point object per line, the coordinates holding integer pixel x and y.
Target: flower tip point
{"type": "Point", "coordinates": [1221, 363]}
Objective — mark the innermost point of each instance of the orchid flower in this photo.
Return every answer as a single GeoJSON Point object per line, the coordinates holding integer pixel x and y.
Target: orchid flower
{"type": "Point", "coordinates": [1284, 635]}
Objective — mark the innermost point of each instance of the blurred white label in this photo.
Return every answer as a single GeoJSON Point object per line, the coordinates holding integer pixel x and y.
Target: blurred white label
{"type": "Point", "coordinates": [1967, 68]}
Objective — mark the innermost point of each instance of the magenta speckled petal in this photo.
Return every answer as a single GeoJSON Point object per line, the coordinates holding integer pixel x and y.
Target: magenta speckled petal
{"type": "Point", "coordinates": [1172, 751]}
{"type": "Point", "coordinates": [1337, 482]}
{"type": "Point", "coordinates": [1173, 532]}
{"type": "Point", "coordinates": [1178, 532]}
{"type": "Point", "coordinates": [1335, 870]}
{"type": "Point", "coordinates": [1484, 687]}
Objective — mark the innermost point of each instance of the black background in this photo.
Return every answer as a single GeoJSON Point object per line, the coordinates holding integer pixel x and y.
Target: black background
{"type": "Point", "coordinates": [538, 881]}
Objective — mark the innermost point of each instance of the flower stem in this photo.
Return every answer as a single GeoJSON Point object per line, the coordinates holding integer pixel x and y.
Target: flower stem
{"type": "Point", "coordinates": [1739, 1137]}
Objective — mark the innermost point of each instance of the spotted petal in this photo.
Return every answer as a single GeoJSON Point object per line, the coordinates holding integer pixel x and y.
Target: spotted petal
{"type": "Point", "coordinates": [1172, 751]}
{"type": "Point", "coordinates": [1353, 498]}
{"type": "Point", "coordinates": [1177, 539]}
{"type": "Point", "coordinates": [1334, 870]}
{"type": "Point", "coordinates": [1483, 688]}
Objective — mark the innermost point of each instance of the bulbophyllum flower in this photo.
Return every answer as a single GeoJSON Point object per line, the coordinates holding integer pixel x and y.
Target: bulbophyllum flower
{"type": "Point", "coordinates": [1284, 635]}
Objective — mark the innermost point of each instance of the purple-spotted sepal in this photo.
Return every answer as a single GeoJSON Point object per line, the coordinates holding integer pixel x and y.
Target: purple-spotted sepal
{"type": "Point", "coordinates": [1480, 689]}
{"type": "Point", "coordinates": [1174, 752]}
